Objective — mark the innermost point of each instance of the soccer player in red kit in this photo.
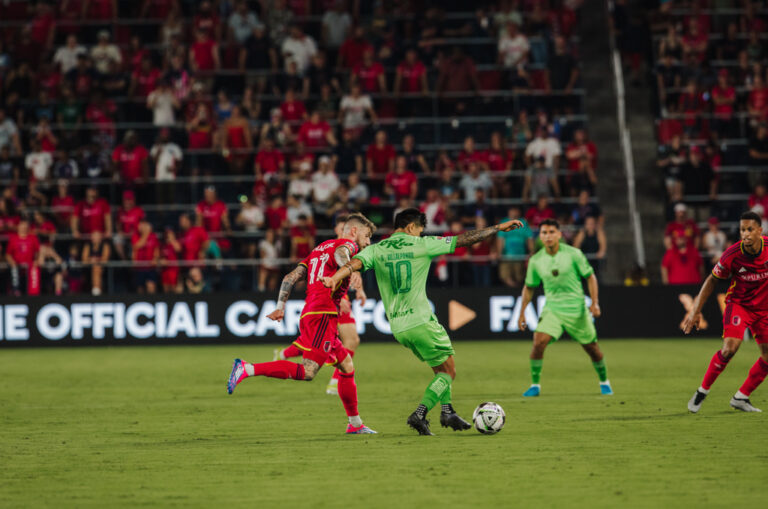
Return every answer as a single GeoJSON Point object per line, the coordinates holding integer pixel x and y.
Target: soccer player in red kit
{"type": "Point", "coordinates": [23, 249]}
{"type": "Point", "coordinates": [347, 324]}
{"type": "Point", "coordinates": [318, 336]}
{"type": "Point", "coordinates": [746, 307]}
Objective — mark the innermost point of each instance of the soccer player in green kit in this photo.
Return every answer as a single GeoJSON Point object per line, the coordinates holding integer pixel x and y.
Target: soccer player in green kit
{"type": "Point", "coordinates": [402, 263]}
{"type": "Point", "coordinates": [560, 268]}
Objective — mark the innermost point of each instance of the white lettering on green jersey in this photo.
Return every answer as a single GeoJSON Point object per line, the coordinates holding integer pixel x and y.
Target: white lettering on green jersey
{"type": "Point", "coordinates": [401, 264]}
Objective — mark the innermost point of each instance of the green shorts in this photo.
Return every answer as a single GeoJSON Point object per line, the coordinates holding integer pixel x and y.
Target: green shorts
{"type": "Point", "coordinates": [579, 326]}
{"type": "Point", "coordinates": [428, 342]}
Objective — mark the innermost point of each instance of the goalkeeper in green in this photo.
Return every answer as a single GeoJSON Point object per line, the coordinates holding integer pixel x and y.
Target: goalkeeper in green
{"type": "Point", "coordinates": [560, 268]}
{"type": "Point", "coordinates": [402, 263]}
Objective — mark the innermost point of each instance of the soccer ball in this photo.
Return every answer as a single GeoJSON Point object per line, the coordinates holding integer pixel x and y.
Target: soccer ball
{"type": "Point", "coordinates": [489, 418]}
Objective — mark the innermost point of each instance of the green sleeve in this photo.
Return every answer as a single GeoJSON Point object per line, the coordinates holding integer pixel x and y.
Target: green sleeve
{"type": "Point", "coordinates": [366, 256]}
{"type": "Point", "coordinates": [437, 246]}
{"type": "Point", "coordinates": [582, 264]}
{"type": "Point", "coordinates": [532, 278]}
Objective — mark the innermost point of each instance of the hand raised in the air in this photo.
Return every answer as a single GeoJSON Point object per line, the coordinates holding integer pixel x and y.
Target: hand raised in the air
{"type": "Point", "coordinates": [514, 224]}
{"type": "Point", "coordinates": [327, 282]}
{"type": "Point", "coordinates": [276, 315]}
{"type": "Point", "coordinates": [691, 320]}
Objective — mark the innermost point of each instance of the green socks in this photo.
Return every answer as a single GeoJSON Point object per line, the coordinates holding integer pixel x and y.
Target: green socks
{"type": "Point", "coordinates": [536, 370]}
{"type": "Point", "coordinates": [602, 372]}
{"type": "Point", "coordinates": [437, 390]}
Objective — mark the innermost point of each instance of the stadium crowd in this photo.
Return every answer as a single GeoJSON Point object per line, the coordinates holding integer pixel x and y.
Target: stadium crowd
{"type": "Point", "coordinates": [712, 128]}
{"type": "Point", "coordinates": [163, 143]}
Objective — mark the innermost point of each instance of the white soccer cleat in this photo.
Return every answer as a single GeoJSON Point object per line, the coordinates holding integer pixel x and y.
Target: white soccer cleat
{"type": "Point", "coordinates": [743, 404]}
{"type": "Point", "coordinates": [695, 403]}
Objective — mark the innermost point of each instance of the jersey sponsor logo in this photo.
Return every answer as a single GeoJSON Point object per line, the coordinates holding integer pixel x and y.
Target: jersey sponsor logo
{"type": "Point", "coordinates": [401, 314]}
{"type": "Point", "coordinates": [397, 243]}
{"type": "Point", "coordinates": [752, 277]}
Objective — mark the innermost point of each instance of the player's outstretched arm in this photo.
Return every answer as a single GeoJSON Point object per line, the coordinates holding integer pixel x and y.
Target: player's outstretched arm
{"type": "Point", "coordinates": [343, 273]}
{"type": "Point", "coordinates": [593, 295]}
{"type": "Point", "coordinates": [289, 281]}
{"type": "Point", "coordinates": [475, 236]}
{"type": "Point", "coordinates": [694, 316]}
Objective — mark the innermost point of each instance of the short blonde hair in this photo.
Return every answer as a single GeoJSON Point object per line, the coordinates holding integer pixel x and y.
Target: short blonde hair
{"type": "Point", "coordinates": [361, 220]}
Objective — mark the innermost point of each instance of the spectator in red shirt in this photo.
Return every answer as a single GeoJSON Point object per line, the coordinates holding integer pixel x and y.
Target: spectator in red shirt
{"type": "Point", "coordinates": [302, 238]}
{"type": "Point", "coordinates": [144, 80]}
{"type": "Point", "coordinates": [91, 215]}
{"type": "Point", "coordinates": [758, 101]}
{"type": "Point", "coordinates": [471, 155]}
{"type": "Point", "coordinates": [681, 226]}
{"type": "Point", "coordinates": [22, 250]}
{"type": "Point", "coordinates": [145, 249]}
{"type": "Point", "coordinates": [457, 75]}
{"type": "Point", "coordinates": [276, 214]}
{"type": "Point", "coordinates": [207, 21]}
{"type": "Point", "coordinates": [682, 264]}
{"type": "Point", "coordinates": [62, 205]}
{"type": "Point", "coordinates": [380, 156]}
{"type": "Point", "coordinates": [212, 214]}
{"type": "Point", "coordinates": [316, 133]}
{"type": "Point", "coordinates": [43, 25]}
{"type": "Point", "coordinates": [411, 75]}
{"type": "Point", "coordinates": [128, 218]}
{"type": "Point", "coordinates": [580, 147]}
{"type": "Point", "coordinates": [194, 239]}
{"type": "Point", "coordinates": [369, 74]}
{"type": "Point", "coordinates": [204, 54]}
{"type": "Point", "coordinates": [293, 110]}
{"type": "Point", "coordinates": [691, 106]}
{"type": "Point", "coordinates": [759, 197]}
{"type": "Point", "coordinates": [268, 160]}
{"type": "Point", "coordinates": [352, 50]}
{"type": "Point", "coordinates": [131, 160]}
{"type": "Point", "coordinates": [695, 41]}
{"type": "Point", "coordinates": [723, 98]}
{"type": "Point", "coordinates": [538, 213]}
{"type": "Point", "coordinates": [169, 255]}
{"type": "Point", "coordinates": [401, 183]}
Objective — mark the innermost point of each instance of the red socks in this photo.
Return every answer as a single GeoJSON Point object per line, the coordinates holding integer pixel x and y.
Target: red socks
{"type": "Point", "coordinates": [336, 372]}
{"type": "Point", "coordinates": [348, 393]}
{"type": "Point", "coordinates": [279, 369]}
{"type": "Point", "coordinates": [291, 351]}
{"type": "Point", "coordinates": [756, 376]}
{"type": "Point", "coordinates": [716, 366]}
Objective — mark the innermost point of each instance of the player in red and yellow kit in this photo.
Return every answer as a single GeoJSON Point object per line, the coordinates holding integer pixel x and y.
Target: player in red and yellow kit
{"type": "Point", "coordinates": [318, 339]}
{"type": "Point", "coordinates": [347, 325]}
{"type": "Point", "coordinates": [746, 265]}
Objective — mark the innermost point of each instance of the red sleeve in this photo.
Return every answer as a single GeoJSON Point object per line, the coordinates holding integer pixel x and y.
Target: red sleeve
{"type": "Point", "coordinates": [351, 246]}
{"type": "Point", "coordinates": [723, 269]}
{"type": "Point", "coordinates": [116, 154]}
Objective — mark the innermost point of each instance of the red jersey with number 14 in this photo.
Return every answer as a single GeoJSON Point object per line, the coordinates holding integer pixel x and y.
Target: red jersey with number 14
{"type": "Point", "coordinates": [748, 274]}
{"type": "Point", "coordinates": [321, 263]}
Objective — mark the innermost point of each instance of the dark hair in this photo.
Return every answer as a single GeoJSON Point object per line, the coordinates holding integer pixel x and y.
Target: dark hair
{"type": "Point", "coordinates": [408, 216]}
{"type": "Point", "coordinates": [751, 216]}
{"type": "Point", "coordinates": [550, 222]}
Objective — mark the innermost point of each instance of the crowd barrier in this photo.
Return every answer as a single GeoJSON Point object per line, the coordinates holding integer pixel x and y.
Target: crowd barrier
{"type": "Point", "coordinates": [221, 318]}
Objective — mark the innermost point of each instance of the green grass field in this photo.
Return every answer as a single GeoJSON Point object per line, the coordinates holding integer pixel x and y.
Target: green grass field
{"type": "Point", "coordinates": [154, 426]}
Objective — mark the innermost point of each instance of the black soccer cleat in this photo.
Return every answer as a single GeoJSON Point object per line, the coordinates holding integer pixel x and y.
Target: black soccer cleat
{"type": "Point", "coordinates": [420, 424]}
{"type": "Point", "coordinates": [454, 421]}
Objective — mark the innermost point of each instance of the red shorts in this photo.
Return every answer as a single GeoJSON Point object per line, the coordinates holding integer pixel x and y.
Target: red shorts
{"type": "Point", "coordinates": [319, 338]}
{"type": "Point", "coordinates": [737, 319]}
{"type": "Point", "coordinates": [170, 277]}
{"type": "Point", "coordinates": [345, 318]}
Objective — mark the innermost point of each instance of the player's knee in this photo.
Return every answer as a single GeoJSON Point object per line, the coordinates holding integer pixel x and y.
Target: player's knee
{"type": "Point", "coordinates": [309, 374]}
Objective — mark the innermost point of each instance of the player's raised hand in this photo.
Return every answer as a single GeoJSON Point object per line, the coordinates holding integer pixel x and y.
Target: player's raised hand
{"type": "Point", "coordinates": [691, 320]}
{"type": "Point", "coordinates": [327, 282]}
{"type": "Point", "coordinates": [595, 310]}
{"type": "Point", "coordinates": [514, 224]}
{"type": "Point", "coordinates": [276, 315]}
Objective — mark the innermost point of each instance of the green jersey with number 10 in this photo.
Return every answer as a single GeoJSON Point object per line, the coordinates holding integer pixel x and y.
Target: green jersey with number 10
{"type": "Point", "coordinates": [401, 263]}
